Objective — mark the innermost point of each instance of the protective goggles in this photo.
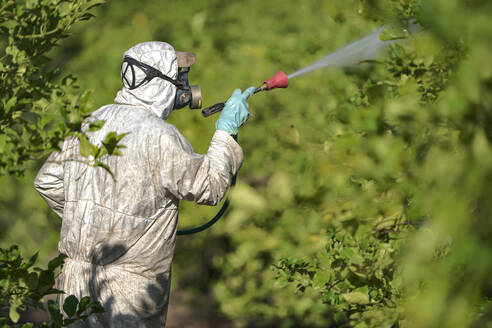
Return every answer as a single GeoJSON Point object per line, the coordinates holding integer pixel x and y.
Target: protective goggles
{"type": "Point", "coordinates": [149, 71]}
{"type": "Point", "coordinates": [186, 94]}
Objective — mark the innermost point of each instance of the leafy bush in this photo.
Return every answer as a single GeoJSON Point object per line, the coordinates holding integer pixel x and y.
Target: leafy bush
{"type": "Point", "coordinates": [39, 107]}
{"type": "Point", "coordinates": [364, 196]}
{"type": "Point", "coordinates": [24, 286]}
{"type": "Point", "coordinates": [38, 111]}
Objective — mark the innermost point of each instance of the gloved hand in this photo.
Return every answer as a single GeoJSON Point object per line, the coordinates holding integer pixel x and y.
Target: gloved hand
{"type": "Point", "coordinates": [235, 112]}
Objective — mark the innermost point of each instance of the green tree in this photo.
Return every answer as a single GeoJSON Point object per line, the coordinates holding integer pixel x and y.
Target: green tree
{"type": "Point", "coordinates": [38, 110]}
{"type": "Point", "coordinates": [364, 196]}
{"type": "Point", "coordinates": [406, 245]}
{"type": "Point", "coordinates": [23, 287]}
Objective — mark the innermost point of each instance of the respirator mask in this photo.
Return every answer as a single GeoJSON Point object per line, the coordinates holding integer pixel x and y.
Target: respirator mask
{"type": "Point", "coordinates": [186, 94]}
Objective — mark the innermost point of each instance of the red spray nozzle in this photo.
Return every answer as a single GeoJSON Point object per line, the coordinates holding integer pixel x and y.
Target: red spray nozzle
{"type": "Point", "coordinates": [279, 80]}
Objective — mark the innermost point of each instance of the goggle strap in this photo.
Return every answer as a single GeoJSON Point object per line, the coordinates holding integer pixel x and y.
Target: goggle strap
{"type": "Point", "coordinates": [124, 79]}
{"type": "Point", "coordinates": [149, 71]}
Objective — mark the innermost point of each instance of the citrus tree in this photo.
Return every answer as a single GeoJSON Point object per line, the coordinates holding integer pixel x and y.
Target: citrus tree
{"type": "Point", "coordinates": [38, 110]}
{"type": "Point", "coordinates": [363, 200]}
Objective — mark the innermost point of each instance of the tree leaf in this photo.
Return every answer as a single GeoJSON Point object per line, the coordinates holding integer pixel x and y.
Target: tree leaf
{"type": "Point", "coordinates": [57, 262]}
{"type": "Point", "coordinates": [96, 125]}
{"type": "Point", "coordinates": [356, 298]}
{"type": "Point", "coordinates": [31, 280]}
{"type": "Point", "coordinates": [96, 307]}
{"type": "Point", "coordinates": [83, 304]}
{"type": "Point", "coordinates": [70, 305]}
{"type": "Point", "coordinates": [105, 167]}
{"type": "Point", "coordinates": [86, 149]}
{"type": "Point", "coordinates": [46, 281]}
{"type": "Point", "coordinates": [10, 103]}
{"type": "Point", "coordinates": [13, 314]}
{"type": "Point", "coordinates": [32, 260]}
{"type": "Point", "coordinates": [111, 141]}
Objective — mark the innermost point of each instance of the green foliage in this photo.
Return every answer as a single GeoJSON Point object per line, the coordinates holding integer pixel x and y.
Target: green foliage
{"type": "Point", "coordinates": [396, 138]}
{"type": "Point", "coordinates": [354, 275]}
{"type": "Point", "coordinates": [38, 110]}
{"type": "Point", "coordinates": [364, 197]}
{"type": "Point", "coordinates": [23, 286]}
{"type": "Point", "coordinates": [93, 153]}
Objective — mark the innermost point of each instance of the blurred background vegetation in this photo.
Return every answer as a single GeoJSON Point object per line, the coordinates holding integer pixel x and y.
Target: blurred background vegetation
{"type": "Point", "coordinates": [365, 197]}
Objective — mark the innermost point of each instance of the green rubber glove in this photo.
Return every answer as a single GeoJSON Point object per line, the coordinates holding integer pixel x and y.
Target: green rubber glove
{"type": "Point", "coordinates": [235, 112]}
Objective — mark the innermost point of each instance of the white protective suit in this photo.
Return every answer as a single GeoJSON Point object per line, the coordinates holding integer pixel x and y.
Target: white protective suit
{"type": "Point", "coordinates": [119, 235]}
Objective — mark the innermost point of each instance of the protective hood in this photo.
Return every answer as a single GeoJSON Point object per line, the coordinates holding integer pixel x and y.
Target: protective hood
{"type": "Point", "coordinates": [157, 95]}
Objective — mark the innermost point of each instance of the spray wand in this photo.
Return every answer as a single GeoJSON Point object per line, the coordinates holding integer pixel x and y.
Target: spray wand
{"type": "Point", "coordinates": [279, 80]}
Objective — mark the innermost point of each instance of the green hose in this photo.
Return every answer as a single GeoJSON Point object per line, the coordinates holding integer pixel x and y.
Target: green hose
{"type": "Point", "coordinates": [217, 216]}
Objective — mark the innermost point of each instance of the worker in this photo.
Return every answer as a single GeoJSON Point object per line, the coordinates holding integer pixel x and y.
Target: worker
{"type": "Point", "coordinates": [119, 230]}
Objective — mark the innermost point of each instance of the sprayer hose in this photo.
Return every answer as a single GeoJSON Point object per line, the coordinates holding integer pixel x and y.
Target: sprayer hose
{"type": "Point", "coordinates": [217, 216]}
{"type": "Point", "coordinates": [212, 221]}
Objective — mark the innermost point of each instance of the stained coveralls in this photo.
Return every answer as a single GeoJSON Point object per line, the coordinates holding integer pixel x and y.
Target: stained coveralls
{"type": "Point", "coordinates": [119, 234]}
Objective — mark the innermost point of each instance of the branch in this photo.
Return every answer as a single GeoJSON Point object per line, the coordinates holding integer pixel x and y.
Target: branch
{"type": "Point", "coordinates": [394, 228]}
{"type": "Point", "coordinates": [6, 5]}
{"type": "Point", "coordinates": [40, 35]}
